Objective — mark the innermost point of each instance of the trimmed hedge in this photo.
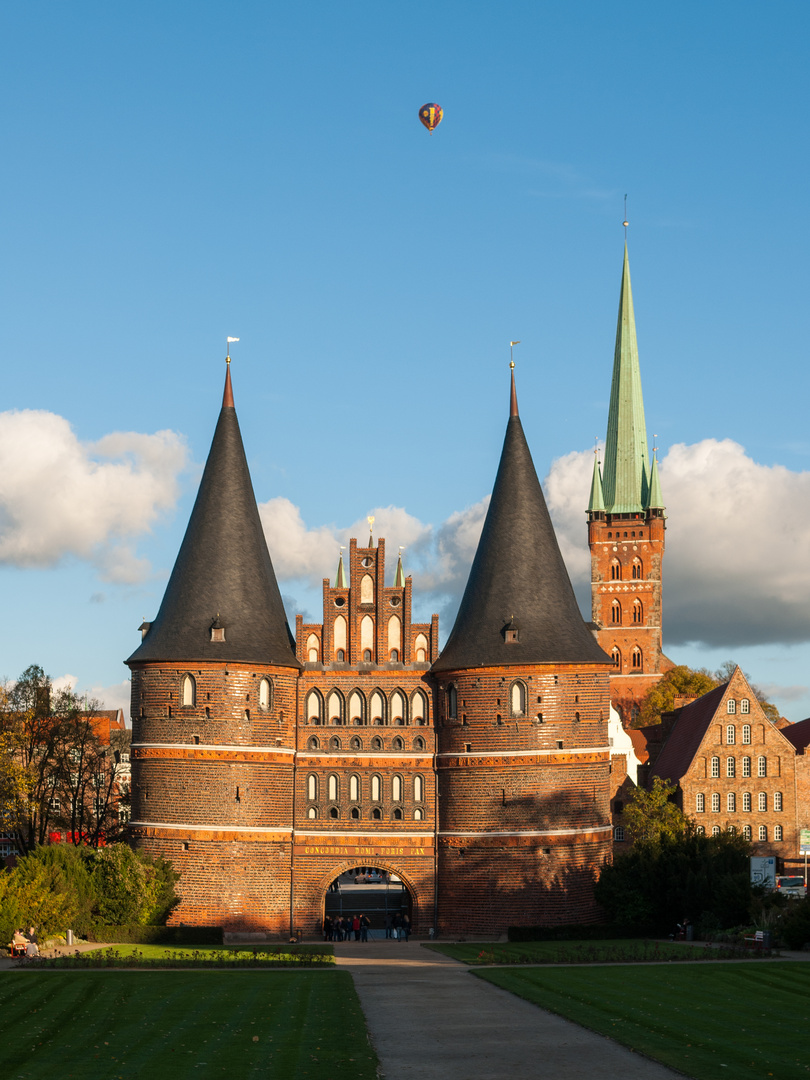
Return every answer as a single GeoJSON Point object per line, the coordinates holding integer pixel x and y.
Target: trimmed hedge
{"type": "Point", "coordinates": [156, 935]}
{"type": "Point", "coordinates": [588, 932]}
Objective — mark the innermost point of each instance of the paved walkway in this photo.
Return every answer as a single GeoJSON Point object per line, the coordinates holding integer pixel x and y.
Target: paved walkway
{"type": "Point", "coordinates": [429, 1017]}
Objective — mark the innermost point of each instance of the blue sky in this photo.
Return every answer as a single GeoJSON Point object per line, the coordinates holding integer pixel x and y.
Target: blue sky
{"type": "Point", "coordinates": [178, 172]}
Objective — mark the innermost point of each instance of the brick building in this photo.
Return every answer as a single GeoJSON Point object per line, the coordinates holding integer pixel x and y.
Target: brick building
{"type": "Point", "coordinates": [626, 525]}
{"type": "Point", "coordinates": [265, 765]}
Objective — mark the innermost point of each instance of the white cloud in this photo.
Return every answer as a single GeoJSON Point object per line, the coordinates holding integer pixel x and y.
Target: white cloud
{"type": "Point", "coordinates": [736, 570]}
{"type": "Point", "coordinates": [61, 497]}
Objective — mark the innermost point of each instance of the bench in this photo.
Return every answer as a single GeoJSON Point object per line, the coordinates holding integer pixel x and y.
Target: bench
{"type": "Point", "coordinates": [756, 940]}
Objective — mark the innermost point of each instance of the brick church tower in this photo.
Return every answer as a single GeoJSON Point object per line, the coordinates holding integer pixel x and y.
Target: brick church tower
{"type": "Point", "coordinates": [626, 524]}
{"type": "Point", "coordinates": [522, 710]}
{"type": "Point", "coordinates": [214, 709]}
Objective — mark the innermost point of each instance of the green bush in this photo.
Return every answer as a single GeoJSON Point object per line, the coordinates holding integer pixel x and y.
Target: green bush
{"type": "Point", "coordinates": [794, 927]}
{"type": "Point", "coordinates": [131, 888]}
{"type": "Point", "coordinates": [35, 894]}
{"type": "Point", "coordinates": [587, 932]}
{"type": "Point", "coordinates": [156, 935]}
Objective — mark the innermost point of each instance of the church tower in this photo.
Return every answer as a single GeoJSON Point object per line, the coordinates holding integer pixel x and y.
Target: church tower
{"type": "Point", "coordinates": [522, 708]}
{"type": "Point", "coordinates": [214, 709]}
{"type": "Point", "coordinates": [626, 524]}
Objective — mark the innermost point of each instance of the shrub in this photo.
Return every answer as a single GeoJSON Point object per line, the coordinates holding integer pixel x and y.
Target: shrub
{"type": "Point", "coordinates": [794, 927]}
{"type": "Point", "coordinates": [588, 932]}
{"type": "Point", "coordinates": [156, 935]}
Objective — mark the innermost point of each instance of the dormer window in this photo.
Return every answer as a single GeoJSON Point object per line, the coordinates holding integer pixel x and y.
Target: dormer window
{"type": "Point", "coordinates": [217, 630]}
{"type": "Point", "coordinates": [144, 629]}
{"type": "Point", "coordinates": [511, 633]}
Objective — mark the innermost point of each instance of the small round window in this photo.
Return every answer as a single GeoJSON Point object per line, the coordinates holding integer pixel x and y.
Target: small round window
{"type": "Point", "coordinates": [368, 561]}
{"type": "Point", "coordinates": [395, 601]}
{"type": "Point", "coordinates": [340, 601]}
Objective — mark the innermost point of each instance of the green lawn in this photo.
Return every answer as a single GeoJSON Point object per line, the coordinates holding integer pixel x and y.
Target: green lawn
{"type": "Point", "coordinates": [627, 950]}
{"type": "Point", "coordinates": [154, 1025]}
{"type": "Point", "coordinates": [202, 956]}
{"type": "Point", "coordinates": [748, 1020]}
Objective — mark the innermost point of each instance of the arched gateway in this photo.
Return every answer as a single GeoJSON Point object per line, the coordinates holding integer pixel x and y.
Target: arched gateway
{"type": "Point", "coordinates": [377, 892]}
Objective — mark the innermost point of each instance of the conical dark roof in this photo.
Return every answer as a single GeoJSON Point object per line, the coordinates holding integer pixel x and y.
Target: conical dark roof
{"type": "Point", "coordinates": [518, 580]}
{"type": "Point", "coordinates": [223, 571]}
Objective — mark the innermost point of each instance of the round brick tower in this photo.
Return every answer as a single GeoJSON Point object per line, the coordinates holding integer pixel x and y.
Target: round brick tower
{"type": "Point", "coordinates": [214, 710]}
{"type": "Point", "coordinates": [523, 703]}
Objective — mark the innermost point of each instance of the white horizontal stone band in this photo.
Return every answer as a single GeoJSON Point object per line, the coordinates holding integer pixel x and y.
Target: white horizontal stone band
{"type": "Point", "coordinates": [525, 753]}
{"type": "Point", "coordinates": [207, 828]}
{"type": "Point", "coordinates": [212, 746]}
{"type": "Point", "coordinates": [533, 832]}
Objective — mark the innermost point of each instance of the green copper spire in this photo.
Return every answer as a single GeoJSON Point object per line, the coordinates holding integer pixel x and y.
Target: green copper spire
{"type": "Point", "coordinates": [340, 577]}
{"type": "Point", "coordinates": [656, 498]}
{"type": "Point", "coordinates": [626, 471]}
{"type": "Point", "coordinates": [596, 503]}
{"type": "Point", "coordinates": [399, 577]}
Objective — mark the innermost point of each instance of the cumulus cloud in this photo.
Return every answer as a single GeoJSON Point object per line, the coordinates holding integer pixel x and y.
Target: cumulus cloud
{"type": "Point", "coordinates": [736, 570]}
{"type": "Point", "coordinates": [61, 497]}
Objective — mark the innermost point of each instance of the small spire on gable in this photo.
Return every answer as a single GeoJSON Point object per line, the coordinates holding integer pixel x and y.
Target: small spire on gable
{"type": "Point", "coordinates": [596, 503]}
{"type": "Point", "coordinates": [656, 498]}
{"type": "Point", "coordinates": [340, 577]}
{"type": "Point", "coordinates": [399, 577]}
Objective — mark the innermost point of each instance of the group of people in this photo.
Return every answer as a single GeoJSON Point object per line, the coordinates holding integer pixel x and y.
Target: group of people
{"type": "Point", "coordinates": [397, 926]}
{"type": "Point", "coordinates": [342, 929]}
{"type": "Point", "coordinates": [25, 944]}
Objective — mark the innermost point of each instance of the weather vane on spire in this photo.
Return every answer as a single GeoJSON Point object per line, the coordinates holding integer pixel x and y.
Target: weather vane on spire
{"type": "Point", "coordinates": [511, 351]}
{"type": "Point", "coordinates": [229, 342]}
{"type": "Point", "coordinates": [625, 222]}
{"type": "Point", "coordinates": [370, 519]}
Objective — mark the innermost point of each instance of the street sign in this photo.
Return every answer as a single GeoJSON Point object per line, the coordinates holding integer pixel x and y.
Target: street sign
{"type": "Point", "coordinates": [804, 841]}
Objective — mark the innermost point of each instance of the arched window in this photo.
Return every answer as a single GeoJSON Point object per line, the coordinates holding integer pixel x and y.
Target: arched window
{"type": "Point", "coordinates": [265, 695]}
{"type": "Point", "coordinates": [376, 813]}
{"type": "Point", "coordinates": [419, 744]}
{"type": "Point", "coordinates": [377, 705]}
{"type": "Point", "coordinates": [340, 656]}
{"type": "Point", "coordinates": [746, 832]}
{"type": "Point", "coordinates": [354, 789]}
{"type": "Point", "coordinates": [313, 648]}
{"type": "Point", "coordinates": [418, 789]}
{"type": "Point", "coordinates": [746, 766]}
{"type": "Point", "coordinates": [334, 743]}
{"type": "Point", "coordinates": [746, 734]}
{"type": "Point", "coordinates": [617, 656]}
{"type": "Point", "coordinates": [715, 766]}
{"type": "Point", "coordinates": [745, 705]}
{"type": "Point", "coordinates": [366, 656]}
{"type": "Point", "coordinates": [355, 813]}
{"type": "Point", "coordinates": [616, 613]}
{"type": "Point", "coordinates": [762, 801]}
{"type": "Point", "coordinates": [636, 659]}
{"type": "Point", "coordinates": [367, 637]}
{"type": "Point", "coordinates": [731, 803]}
{"type": "Point", "coordinates": [418, 708]}
{"type": "Point", "coordinates": [332, 788]}
{"type": "Point", "coordinates": [763, 832]}
{"type": "Point", "coordinates": [376, 744]}
{"type": "Point", "coordinates": [762, 766]}
{"type": "Point", "coordinates": [452, 702]}
{"type": "Point", "coordinates": [700, 803]}
{"type": "Point", "coordinates": [777, 800]}
{"type": "Point", "coordinates": [394, 636]}
{"type": "Point", "coordinates": [356, 744]}
{"type": "Point", "coordinates": [313, 744]}
{"type": "Point", "coordinates": [421, 649]}
{"type": "Point", "coordinates": [418, 814]}
{"type": "Point", "coordinates": [312, 787]}
{"type": "Point", "coordinates": [777, 832]}
{"type": "Point", "coordinates": [189, 692]}
{"type": "Point", "coordinates": [618, 833]}
{"type": "Point", "coordinates": [394, 656]}
{"type": "Point", "coordinates": [356, 707]}
{"type": "Point", "coordinates": [397, 744]}
{"type": "Point", "coordinates": [746, 802]}
{"type": "Point", "coordinates": [732, 830]}
{"type": "Point", "coordinates": [334, 707]}
{"type": "Point", "coordinates": [731, 706]}
{"type": "Point", "coordinates": [716, 802]}
{"type": "Point", "coordinates": [730, 767]}
{"type": "Point", "coordinates": [517, 698]}
{"type": "Point", "coordinates": [399, 712]}
{"type": "Point", "coordinates": [366, 589]}
{"type": "Point", "coordinates": [339, 637]}
{"type": "Point", "coordinates": [715, 830]}
{"type": "Point", "coordinates": [334, 812]}
{"type": "Point", "coordinates": [615, 570]}
{"type": "Point", "coordinates": [312, 813]}
{"type": "Point", "coordinates": [396, 789]}
{"type": "Point", "coordinates": [638, 569]}
{"type": "Point", "coordinates": [638, 612]}
{"type": "Point", "coordinates": [314, 707]}
{"type": "Point", "coordinates": [731, 734]}
{"type": "Point", "coordinates": [376, 788]}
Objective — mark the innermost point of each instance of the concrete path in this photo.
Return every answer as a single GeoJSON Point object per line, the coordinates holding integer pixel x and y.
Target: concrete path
{"type": "Point", "coordinates": [429, 1017]}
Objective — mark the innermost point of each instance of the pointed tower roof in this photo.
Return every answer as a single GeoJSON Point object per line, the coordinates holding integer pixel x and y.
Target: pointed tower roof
{"type": "Point", "coordinates": [399, 577]}
{"type": "Point", "coordinates": [596, 503]}
{"type": "Point", "coordinates": [625, 473]}
{"type": "Point", "coordinates": [223, 571]}
{"type": "Point", "coordinates": [656, 498]}
{"type": "Point", "coordinates": [340, 577]}
{"type": "Point", "coordinates": [518, 581]}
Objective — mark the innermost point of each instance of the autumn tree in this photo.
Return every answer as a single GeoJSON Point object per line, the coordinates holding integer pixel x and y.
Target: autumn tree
{"type": "Point", "coordinates": [651, 815]}
{"type": "Point", "coordinates": [683, 681]}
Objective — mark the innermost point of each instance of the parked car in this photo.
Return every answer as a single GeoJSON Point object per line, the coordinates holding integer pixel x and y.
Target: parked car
{"type": "Point", "coordinates": [791, 886]}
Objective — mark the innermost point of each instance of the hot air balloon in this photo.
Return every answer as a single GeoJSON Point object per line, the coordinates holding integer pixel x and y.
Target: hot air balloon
{"type": "Point", "coordinates": [431, 115]}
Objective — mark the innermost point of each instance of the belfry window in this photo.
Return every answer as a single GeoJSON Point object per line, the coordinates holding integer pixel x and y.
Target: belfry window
{"type": "Point", "coordinates": [189, 692]}
{"type": "Point", "coordinates": [638, 570]}
{"type": "Point", "coordinates": [615, 570]}
{"type": "Point", "coordinates": [617, 657]}
{"type": "Point", "coordinates": [265, 695]}
{"type": "Point", "coordinates": [636, 659]}
{"type": "Point", "coordinates": [638, 612]}
{"type": "Point", "coordinates": [616, 613]}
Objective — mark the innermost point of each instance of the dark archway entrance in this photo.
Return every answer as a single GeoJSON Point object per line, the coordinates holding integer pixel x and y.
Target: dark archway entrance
{"type": "Point", "coordinates": [375, 892]}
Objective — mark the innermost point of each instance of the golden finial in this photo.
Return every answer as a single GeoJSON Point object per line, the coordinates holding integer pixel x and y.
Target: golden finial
{"type": "Point", "coordinates": [625, 222]}
{"type": "Point", "coordinates": [511, 350]}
